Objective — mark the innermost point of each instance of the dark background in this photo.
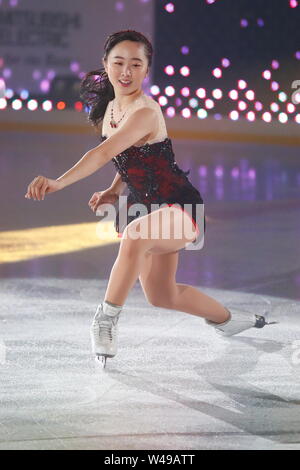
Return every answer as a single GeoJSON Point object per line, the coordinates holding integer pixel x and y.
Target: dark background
{"type": "Point", "coordinates": [213, 32]}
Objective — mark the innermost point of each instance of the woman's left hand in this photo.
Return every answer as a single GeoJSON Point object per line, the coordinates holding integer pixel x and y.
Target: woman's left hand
{"type": "Point", "coordinates": [41, 186]}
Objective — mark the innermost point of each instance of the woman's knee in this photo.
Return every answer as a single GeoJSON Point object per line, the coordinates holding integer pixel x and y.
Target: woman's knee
{"type": "Point", "coordinates": [167, 300]}
{"type": "Point", "coordinates": [131, 245]}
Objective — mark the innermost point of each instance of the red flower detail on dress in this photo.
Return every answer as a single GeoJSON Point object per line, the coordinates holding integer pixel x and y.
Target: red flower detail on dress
{"type": "Point", "coordinates": [136, 171]}
{"type": "Point", "coordinates": [137, 177]}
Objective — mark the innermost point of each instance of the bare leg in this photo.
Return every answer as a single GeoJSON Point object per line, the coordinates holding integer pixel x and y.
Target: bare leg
{"type": "Point", "coordinates": [128, 264]}
{"type": "Point", "coordinates": [188, 298]}
{"type": "Point", "coordinates": [158, 280]}
{"type": "Point", "coordinates": [191, 300]}
{"type": "Point", "coordinates": [123, 276]}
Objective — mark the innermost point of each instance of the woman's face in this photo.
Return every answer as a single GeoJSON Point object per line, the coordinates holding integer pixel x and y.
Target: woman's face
{"type": "Point", "coordinates": [126, 62]}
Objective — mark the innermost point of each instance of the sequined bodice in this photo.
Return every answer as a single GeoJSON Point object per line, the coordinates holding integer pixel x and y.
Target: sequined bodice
{"type": "Point", "coordinates": [150, 172]}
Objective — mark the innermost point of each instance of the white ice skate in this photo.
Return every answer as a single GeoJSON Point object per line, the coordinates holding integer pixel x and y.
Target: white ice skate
{"type": "Point", "coordinates": [104, 331]}
{"type": "Point", "coordinates": [240, 320]}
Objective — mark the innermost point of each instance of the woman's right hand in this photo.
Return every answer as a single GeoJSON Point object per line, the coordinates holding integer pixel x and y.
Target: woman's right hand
{"type": "Point", "coordinates": [41, 186]}
{"type": "Point", "coordinates": [103, 197]}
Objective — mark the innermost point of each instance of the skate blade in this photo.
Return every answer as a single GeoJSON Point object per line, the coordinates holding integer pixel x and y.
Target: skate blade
{"type": "Point", "coordinates": [101, 359]}
{"type": "Point", "coordinates": [266, 317]}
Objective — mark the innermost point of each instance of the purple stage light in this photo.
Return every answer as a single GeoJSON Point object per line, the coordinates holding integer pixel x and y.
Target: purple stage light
{"type": "Point", "coordinates": [203, 171]}
{"type": "Point", "coordinates": [275, 64]}
{"type": "Point", "coordinates": [51, 74]}
{"type": "Point", "coordinates": [45, 85]}
{"type": "Point", "coordinates": [74, 66]}
{"type": "Point", "coordinates": [185, 50]}
{"type": "Point", "coordinates": [219, 171]}
{"type": "Point", "coordinates": [274, 86]}
{"type": "Point", "coordinates": [36, 74]}
{"type": "Point", "coordinates": [235, 172]}
{"type": "Point", "coordinates": [258, 106]}
{"type": "Point", "coordinates": [244, 23]}
{"type": "Point", "coordinates": [7, 73]}
{"type": "Point", "coordinates": [225, 62]}
{"type": "Point", "coordinates": [119, 6]}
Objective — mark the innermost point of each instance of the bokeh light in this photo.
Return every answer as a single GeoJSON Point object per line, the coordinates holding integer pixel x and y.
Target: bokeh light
{"type": "Point", "coordinates": [201, 93]}
{"type": "Point", "coordinates": [185, 91]}
{"type": "Point", "coordinates": [3, 103]}
{"type": "Point", "coordinates": [60, 105]}
{"type": "Point", "coordinates": [217, 72]}
{"type": "Point", "coordinates": [233, 94]}
{"type": "Point", "coordinates": [267, 116]}
{"type": "Point", "coordinates": [170, 111]}
{"type": "Point", "coordinates": [185, 50]}
{"type": "Point", "coordinates": [185, 71]}
{"type": "Point", "coordinates": [202, 113]}
{"type": "Point", "coordinates": [217, 93]}
{"type": "Point", "coordinates": [16, 104]}
{"type": "Point", "coordinates": [250, 95]}
{"type": "Point", "coordinates": [170, 8]}
{"type": "Point", "coordinates": [209, 104]}
{"type": "Point", "coordinates": [242, 84]}
{"type": "Point", "coordinates": [234, 115]}
{"type": "Point", "coordinates": [266, 74]}
{"type": "Point", "coordinates": [186, 113]}
{"type": "Point", "coordinates": [225, 62]}
{"type": "Point", "coordinates": [169, 70]}
{"type": "Point", "coordinates": [155, 90]}
{"type": "Point", "coordinates": [170, 91]}
{"type": "Point", "coordinates": [163, 100]}
{"type": "Point", "coordinates": [32, 105]}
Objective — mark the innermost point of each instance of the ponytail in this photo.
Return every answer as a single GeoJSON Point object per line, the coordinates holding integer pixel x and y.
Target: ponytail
{"type": "Point", "coordinates": [96, 91]}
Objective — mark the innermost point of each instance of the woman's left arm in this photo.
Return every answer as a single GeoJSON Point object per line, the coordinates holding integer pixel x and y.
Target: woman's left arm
{"type": "Point", "coordinates": [141, 123]}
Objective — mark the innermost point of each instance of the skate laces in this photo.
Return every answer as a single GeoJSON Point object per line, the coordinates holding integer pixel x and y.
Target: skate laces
{"type": "Point", "coordinates": [104, 324]}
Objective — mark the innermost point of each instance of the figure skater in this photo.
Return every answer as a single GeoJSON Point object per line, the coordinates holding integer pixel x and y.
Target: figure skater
{"type": "Point", "coordinates": [134, 137]}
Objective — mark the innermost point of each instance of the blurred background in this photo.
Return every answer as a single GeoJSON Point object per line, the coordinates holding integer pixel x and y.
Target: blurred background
{"type": "Point", "coordinates": [226, 74]}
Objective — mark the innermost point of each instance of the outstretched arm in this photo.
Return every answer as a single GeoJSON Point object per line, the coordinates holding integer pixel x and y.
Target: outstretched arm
{"type": "Point", "coordinates": [140, 124]}
{"type": "Point", "coordinates": [137, 126]}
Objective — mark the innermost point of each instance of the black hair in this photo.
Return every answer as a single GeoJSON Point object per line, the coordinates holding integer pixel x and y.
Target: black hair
{"type": "Point", "coordinates": [95, 88]}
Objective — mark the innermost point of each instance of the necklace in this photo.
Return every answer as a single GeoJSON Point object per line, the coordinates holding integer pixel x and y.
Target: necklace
{"type": "Point", "coordinates": [113, 123]}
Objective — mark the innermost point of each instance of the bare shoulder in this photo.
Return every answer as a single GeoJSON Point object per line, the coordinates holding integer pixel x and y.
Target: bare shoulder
{"type": "Point", "coordinates": [145, 112]}
{"type": "Point", "coordinates": [138, 127]}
